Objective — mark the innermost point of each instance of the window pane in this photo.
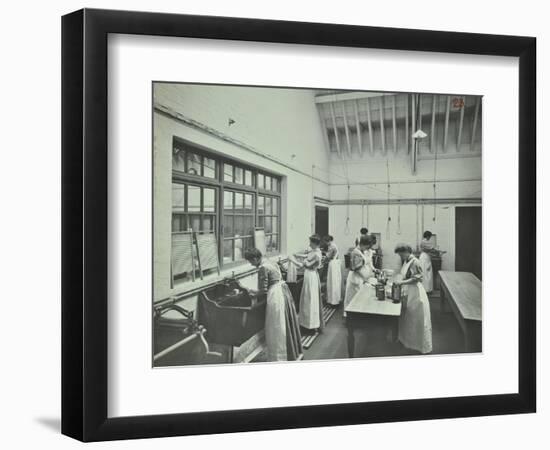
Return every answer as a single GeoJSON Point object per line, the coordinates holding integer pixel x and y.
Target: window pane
{"type": "Point", "coordinates": [274, 243]}
{"type": "Point", "coordinates": [193, 198]}
{"type": "Point", "coordinates": [208, 223]}
{"type": "Point", "coordinates": [193, 164]}
{"type": "Point", "coordinates": [268, 222]}
{"type": "Point", "coordinates": [248, 178]}
{"type": "Point", "coordinates": [261, 205]}
{"type": "Point", "coordinates": [227, 251]}
{"type": "Point", "coordinates": [209, 200]}
{"type": "Point", "coordinates": [248, 203]}
{"type": "Point", "coordinates": [178, 197]}
{"type": "Point", "coordinates": [248, 225]}
{"type": "Point", "coordinates": [275, 206]}
{"type": "Point", "coordinates": [260, 222]}
{"type": "Point", "coordinates": [228, 202]}
{"type": "Point", "coordinates": [275, 225]}
{"type": "Point", "coordinates": [239, 226]}
{"type": "Point", "coordinates": [228, 229]}
{"type": "Point", "coordinates": [195, 222]}
{"type": "Point", "coordinates": [239, 249]}
{"type": "Point", "coordinates": [268, 183]}
{"type": "Point", "coordinates": [238, 175]}
{"type": "Point", "coordinates": [178, 159]}
{"type": "Point", "coordinates": [247, 243]}
{"type": "Point", "coordinates": [238, 202]}
{"type": "Point", "coordinates": [261, 181]}
{"type": "Point", "coordinates": [209, 167]}
{"type": "Point", "coordinates": [275, 184]}
{"type": "Point", "coordinates": [228, 172]}
{"type": "Point", "coordinates": [268, 205]}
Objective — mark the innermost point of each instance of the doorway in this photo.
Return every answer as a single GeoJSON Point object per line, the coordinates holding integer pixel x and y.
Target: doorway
{"type": "Point", "coordinates": [468, 239]}
{"type": "Point", "coordinates": [321, 220]}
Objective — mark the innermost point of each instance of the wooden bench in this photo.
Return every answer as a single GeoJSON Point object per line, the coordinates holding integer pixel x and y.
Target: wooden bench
{"type": "Point", "coordinates": [461, 292]}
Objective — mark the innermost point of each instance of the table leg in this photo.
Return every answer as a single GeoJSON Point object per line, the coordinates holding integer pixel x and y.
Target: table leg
{"type": "Point", "coordinates": [395, 329]}
{"type": "Point", "coordinates": [351, 336]}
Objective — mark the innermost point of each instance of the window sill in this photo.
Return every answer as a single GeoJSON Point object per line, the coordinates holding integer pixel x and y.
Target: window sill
{"type": "Point", "coordinates": [185, 289]}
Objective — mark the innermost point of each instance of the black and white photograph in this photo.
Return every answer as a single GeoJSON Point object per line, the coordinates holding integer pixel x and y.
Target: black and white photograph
{"type": "Point", "coordinates": [302, 224]}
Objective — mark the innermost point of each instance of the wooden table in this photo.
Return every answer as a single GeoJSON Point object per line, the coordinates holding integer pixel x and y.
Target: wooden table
{"type": "Point", "coordinates": [363, 307]}
{"type": "Point", "coordinates": [461, 292]}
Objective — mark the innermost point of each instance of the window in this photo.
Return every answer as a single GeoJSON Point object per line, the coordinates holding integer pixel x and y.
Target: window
{"type": "Point", "coordinates": [268, 218]}
{"type": "Point", "coordinates": [212, 193]}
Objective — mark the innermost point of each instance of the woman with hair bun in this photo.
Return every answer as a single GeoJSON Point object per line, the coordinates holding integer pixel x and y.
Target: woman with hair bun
{"type": "Point", "coordinates": [426, 247]}
{"type": "Point", "coordinates": [415, 323]}
{"type": "Point", "coordinates": [334, 273]}
{"type": "Point", "coordinates": [311, 311]}
{"type": "Point", "coordinates": [361, 268]}
{"type": "Point", "coordinates": [282, 332]}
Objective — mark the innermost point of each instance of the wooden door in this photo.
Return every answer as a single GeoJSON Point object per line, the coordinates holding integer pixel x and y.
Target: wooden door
{"type": "Point", "coordinates": [321, 220]}
{"type": "Point", "coordinates": [468, 239]}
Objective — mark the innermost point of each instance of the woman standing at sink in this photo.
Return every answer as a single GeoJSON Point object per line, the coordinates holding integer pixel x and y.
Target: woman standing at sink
{"type": "Point", "coordinates": [282, 332]}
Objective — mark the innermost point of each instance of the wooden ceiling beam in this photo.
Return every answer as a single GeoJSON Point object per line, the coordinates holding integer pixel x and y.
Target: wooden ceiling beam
{"type": "Point", "coordinates": [382, 132]}
{"type": "Point", "coordinates": [358, 126]}
{"type": "Point", "coordinates": [460, 125]}
{"type": "Point", "coordinates": [394, 123]}
{"type": "Point", "coordinates": [346, 129]}
{"type": "Point", "coordinates": [446, 129]}
{"type": "Point", "coordinates": [333, 117]}
{"type": "Point", "coordinates": [369, 123]}
{"type": "Point", "coordinates": [474, 124]}
{"type": "Point", "coordinates": [407, 123]}
{"type": "Point", "coordinates": [432, 134]}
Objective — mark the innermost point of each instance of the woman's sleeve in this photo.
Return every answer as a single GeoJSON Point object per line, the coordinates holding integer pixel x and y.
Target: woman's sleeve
{"type": "Point", "coordinates": [357, 261]}
{"type": "Point", "coordinates": [415, 271]}
{"type": "Point", "coordinates": [263, 281]}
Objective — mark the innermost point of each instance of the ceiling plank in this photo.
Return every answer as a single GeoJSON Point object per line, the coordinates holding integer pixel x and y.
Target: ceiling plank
{"type": "Point", "coordinates": [335, 129]}
{"type": "Point", "coordinates": [460, 125]}
{"type": "Point", "coordinates": [358, 126]}
{"type": "Point", "coordinates": [394, 125]}
{"type": "Point", "coordinates": [407, 123]}
{"type": "Point", "coordinates": [413, 121]}
{"type": "Point", "coordinates": [326, 139]}
{"type": "Point", "coordinates": [446, 129]}
{"type": "Point", "coordinates": [382, 132]}
{"type": "Point", "coordinates": [346, 129]}
{"type": "Point", "coordinates": [432, 134]}
{"type": "Point", "coordinates": [474, 124]}
{"type": "Point", "coordinates": [369, 123]}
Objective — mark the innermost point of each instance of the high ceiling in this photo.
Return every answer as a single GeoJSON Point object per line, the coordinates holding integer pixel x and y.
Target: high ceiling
{"type": "Point", "coordinates": [387, 123]}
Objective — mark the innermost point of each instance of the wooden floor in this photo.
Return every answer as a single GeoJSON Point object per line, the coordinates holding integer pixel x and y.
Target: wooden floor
{"type": "Point", "coordinates": [332, 343]}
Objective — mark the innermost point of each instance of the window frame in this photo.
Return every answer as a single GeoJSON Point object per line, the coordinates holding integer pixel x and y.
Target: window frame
{"type": "Point", "coordinates": [220, 186]}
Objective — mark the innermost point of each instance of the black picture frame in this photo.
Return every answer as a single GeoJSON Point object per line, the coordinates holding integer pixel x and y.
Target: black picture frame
{"type": "Point", "coordinates": [84, 224]}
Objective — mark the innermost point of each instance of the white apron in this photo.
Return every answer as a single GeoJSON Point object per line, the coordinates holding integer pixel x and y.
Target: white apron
{"type": "Point", "coordinates": [310, 300]}
{"type": "Point", "coordinates": [334, 281]}
{"type": "Point", "coordinates": [355, 281]}
{"type": "Point", "coordinates": [415, 324]}
{"type": "Point", "coordinates": [427, 272]}
{"type": "Point", "coordinates": [275, 324]}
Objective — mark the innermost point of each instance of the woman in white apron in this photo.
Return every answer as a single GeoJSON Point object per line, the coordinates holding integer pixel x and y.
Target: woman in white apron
{"type": "Point", "coordinates": [282, 332]}
{"type": "Point", "coordinates": [426, 245]}
{"type": "Point", "coordinates": [334, 273]}
{"type": "Point", "coordinates": [360, 268]}
{"type": "Point", "coordinates": [415, 324]}
{"type": "Point", "coordinates": [311, 310]}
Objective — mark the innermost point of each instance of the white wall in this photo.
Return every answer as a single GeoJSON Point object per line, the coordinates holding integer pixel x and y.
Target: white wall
{"type": "Point", "coordinates": [280, 123]}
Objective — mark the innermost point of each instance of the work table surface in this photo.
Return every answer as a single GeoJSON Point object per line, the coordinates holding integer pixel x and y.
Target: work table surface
{"type": "Point", "coordinates": [366, 302]}
{"type": "Point", "coordinates": [465, 290]}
